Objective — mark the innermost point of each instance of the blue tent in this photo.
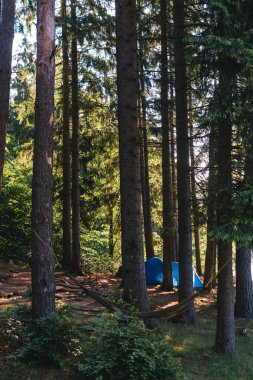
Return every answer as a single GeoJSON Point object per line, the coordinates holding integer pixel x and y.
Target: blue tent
{"type": "Point", "coordinates": [175, 272]}
{"type": "Point", "coordinates": [154, 273]}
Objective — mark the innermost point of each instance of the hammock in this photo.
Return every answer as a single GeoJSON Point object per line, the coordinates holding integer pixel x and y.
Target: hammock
{"type": "Point", "coordinates": [167, 312]}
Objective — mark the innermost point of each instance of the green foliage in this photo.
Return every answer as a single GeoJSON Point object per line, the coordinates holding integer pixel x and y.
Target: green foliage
{"type": "Point", "coordinates": [14, 330]}
{"type": "Point", "coordinates": [55, 337]}
{"type": "Point", "coordinates": [15, 209]}
{"type": "Point", "coordinates": [120, 348]}
{"type": "Point", "coordinates": [94, 252]}
{"type": "Point", "coordinates": [14, 369]}
{"type": "Point", "coordinates": [113, 346]}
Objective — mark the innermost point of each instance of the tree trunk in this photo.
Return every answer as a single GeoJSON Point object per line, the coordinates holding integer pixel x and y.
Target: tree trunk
{"type": "Point", "coordinates": [76, 262]}
{"type": "Point", "coordinates": [148, 230]}
{"type": "Point", "coordinates": [145, 185]}
{"type": "Point", "coordinates": [183, 167]}
{"type": "Point", "coordinates": [66, 194]}
{"type": "Point", "coordinates": [195, 205]}
{"type": "Point", "coordinates": [225, 332]}
{"type": "Point", "coordinates": [168, 216]}
{"type": "Point", "coordinates": [43, 288]}
{"type": "Point", "coordinates": [244, 291]}
{"type": "Point", "coordinates": [210, 260]}
{"type": "Point", "coordinates": [173, 168]}
{"type": "Point", "coordinates": [129, 149]}
{"type": "Point", "coordinates": [7, 13]}
{"type": "Point", "coordinates": [111, 235]}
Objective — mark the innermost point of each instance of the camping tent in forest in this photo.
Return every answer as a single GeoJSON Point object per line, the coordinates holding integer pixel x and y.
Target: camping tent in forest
{"type": "Point", "coordinates": [154, 273]}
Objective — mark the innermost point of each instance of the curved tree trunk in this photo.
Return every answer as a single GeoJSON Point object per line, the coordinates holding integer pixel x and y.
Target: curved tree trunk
{"type": "Point", "coordinates": [183, 167]}
{"type": "Point", "coordinates": [134, 282]}
{"type": "Point", "coordinates": [7, 13]}
{"type": "Point", "coordinates": [43, 288]}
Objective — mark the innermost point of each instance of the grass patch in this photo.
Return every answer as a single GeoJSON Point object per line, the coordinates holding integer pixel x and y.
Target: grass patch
{"type": "Point", "coordinates": [194, 347]}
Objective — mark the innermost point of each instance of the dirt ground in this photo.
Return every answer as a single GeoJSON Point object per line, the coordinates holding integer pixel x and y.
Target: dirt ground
{"type": "Point", "coordinates": [15, 287]}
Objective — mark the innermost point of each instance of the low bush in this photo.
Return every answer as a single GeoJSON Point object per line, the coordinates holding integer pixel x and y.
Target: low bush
{"type": "Point", "coordinates": [55, 337]}
{"type": "Point", "coordinates": [113, 346]}
{"type": "Point", "coordinates": [120, 348]}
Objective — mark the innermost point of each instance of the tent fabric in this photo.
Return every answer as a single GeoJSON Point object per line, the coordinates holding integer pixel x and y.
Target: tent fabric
{"type": "Point", "coordinates": [154, 273]}
{"type": "Point", "coordinates": [175, 272]}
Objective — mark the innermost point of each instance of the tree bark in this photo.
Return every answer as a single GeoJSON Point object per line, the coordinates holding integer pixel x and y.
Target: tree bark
{"type": "Point", "coordinates": [225, 331]}
{"type": "Point", "coordinates": [66, 194]}
{"type": "Point", "coordinates": [244, 291]}
{"type": "Point", "coordinates": [149, 244]}
{"type": "Point", "coordinates": [76, 260]}
{"type": "Point", "coordinates": [183, 167]}
{"type": "Point", "coordinates": [134, 283]}
{"type": "Point", "coordinates": [173, 164]}
{"type": "Point", "coordinates": [111, 234]}
{"type": "Point", "coordinates": [210, 260]}
{"type": "Point", "coordinates": [195, 205]}
{"type": "Point", "coordinates": [7, 14]}
{"type": "Point", "coordinates": [168, 215]}
{"type": "Point", "coordinates": [145, 184]}
{"type": "Point", "coordinates": [43, 288]}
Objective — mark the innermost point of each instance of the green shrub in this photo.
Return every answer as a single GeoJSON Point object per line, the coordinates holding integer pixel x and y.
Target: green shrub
{"type": "Point", "coordinates": [56, 337]}
{"type": "Point", "coordinates": [14, 326]}
{"type": "Point", "coordinates": [113, 346]}
{"type": "Point", "coordinates": [120, 348]}
{"type": "Point", "coordinates": [15, 206]}
{"type": "Point", "coordinates": [14, 369]}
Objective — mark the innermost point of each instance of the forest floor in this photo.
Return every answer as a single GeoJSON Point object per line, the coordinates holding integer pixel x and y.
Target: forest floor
{"type": "Point", "coordinates": [15, 288]}
{"type": "Point", "coordinates": [193, 345]}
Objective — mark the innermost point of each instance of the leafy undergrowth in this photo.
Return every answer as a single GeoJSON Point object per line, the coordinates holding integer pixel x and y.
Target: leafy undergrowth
{"type": "Point", "coordinates": [117, 347]}
{"type": "Point", "coordinates": [113, 346]}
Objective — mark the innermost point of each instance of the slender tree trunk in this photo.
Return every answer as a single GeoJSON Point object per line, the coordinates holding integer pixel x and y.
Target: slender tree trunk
{"type": "Point", "coordinates": [210, 261]}
{"type": "Point", "coordinates": [76, 262]}
{"type": "Point", "coordinates": [7, 13]}
{"type": "Point", "coordinates": [225, 332]}
{"type": "Point", "coordinates": [173, 171]}
{"type": "Point", "coordinates": [195, 205]}
{"type": "Point", "coordinates": [129, 149]}
{"type": "Point", "coordinates": [146, 204]}
{"type": "Point", "coordinates": [168, 225]}
{"type": "Point", "coordinates": [183, 167]}
{"type": "Point", "coordinates": [244, 291]}
{"type": "Point", "coordinates": [43, 288]}
{"type": "Point", "coordinates": [111, 237]}
{"type": "Point", "coordinates": [172, 151]}
{"type": "Point", "coordinates": [148, 230]}
{"type": "Point", "coordinates": [66, 195]}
